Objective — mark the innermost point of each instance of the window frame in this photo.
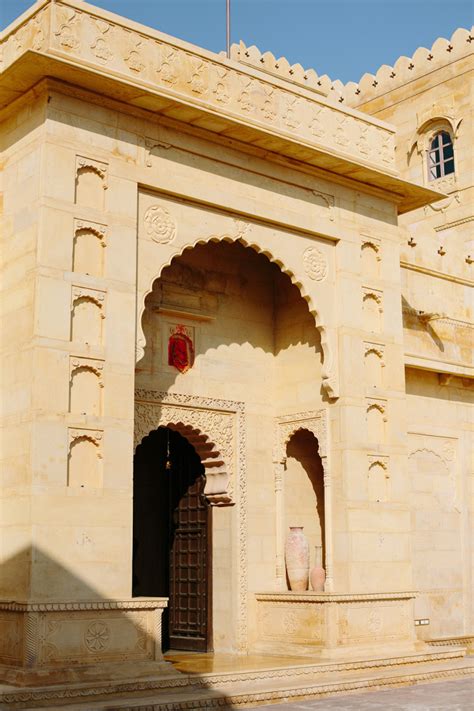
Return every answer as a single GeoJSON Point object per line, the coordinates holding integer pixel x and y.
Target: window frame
{"type": "Point", "coordinates": [440, 164]}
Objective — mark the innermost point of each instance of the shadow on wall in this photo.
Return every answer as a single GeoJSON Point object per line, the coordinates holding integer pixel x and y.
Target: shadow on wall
{"type": "Point", "coordinates": [233, 297]}
{"type": "Point", "coordinates": [70, 641]}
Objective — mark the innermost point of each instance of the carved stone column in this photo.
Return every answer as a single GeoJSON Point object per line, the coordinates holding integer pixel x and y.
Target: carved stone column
{"type": "Point", "coordinates": [278, 468]}
{"type": "Point", "coordinates": [329, 584]}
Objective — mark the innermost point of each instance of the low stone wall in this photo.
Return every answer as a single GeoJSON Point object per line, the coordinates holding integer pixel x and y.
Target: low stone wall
{"type": "Point", "coordinates": [51, 642]}
{"type": "Point", "coordinates": [334, 624]}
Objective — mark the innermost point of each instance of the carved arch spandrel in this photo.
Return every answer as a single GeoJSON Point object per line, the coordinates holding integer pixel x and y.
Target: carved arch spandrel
{"type": "Point", "coordinates": [212, 434]}
{"type": "Point", "coordinates": [287, 425]}
{"type": "Point", "coordinates": [242, 234]}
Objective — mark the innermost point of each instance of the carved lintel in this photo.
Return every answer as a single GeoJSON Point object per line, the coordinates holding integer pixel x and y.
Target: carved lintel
{"type": "Point", "coordinates": [75, 433]}
{"type": "Point", "coordinates": [98, 166]}
{"type": "Point", "coordinates": [377, 348]}
{"type": "Point", "coordinates": [95, 227]}
{"type": "Point", "coordinates": [378, 459]}
{"type": "Point", "coordinates": [375, 294]}
{"type": "Point", "coordinates": [78, 362]}
{"type": "Point", "coordinates": [374, 242]}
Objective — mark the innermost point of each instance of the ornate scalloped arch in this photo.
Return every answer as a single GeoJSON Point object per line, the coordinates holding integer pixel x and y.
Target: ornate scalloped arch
{"type": "Point", "coordinates": [210, 433]}
{"type": "Point", "coordinates": [287, 426]}
{"type": "Point", "coordinates": [328, 366]}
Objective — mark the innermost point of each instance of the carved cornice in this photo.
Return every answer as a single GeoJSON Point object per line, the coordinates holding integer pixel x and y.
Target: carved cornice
{"type": "Point", "coordinates": [290, 597]}
{"type": "Point", "coordinates": [135, 604]}
{"type": "Point", "coordinates": [90, 37]}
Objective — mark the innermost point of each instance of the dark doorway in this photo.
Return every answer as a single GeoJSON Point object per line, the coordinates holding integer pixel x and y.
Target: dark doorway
{"type": "Point", "coordinates": [172, 537]}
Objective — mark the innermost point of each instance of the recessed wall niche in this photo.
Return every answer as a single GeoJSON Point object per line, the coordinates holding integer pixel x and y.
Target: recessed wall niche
{"type": "Point", "coordinates": [85, 386]}
{"type": "Point", "coordinates": [85, 459]}
{"type": "Point", "coordinates": [374, 364]}
{"type": "Point", "coordinates": [376, 420]}
{"type": "Point", "coordinates": [370, 256]}
{"type": "Point", "coordinates": [88, 248]}
{"type": "Point", "coordinates": [372, 309]}
{"type": "Point", "coordinates": [87, 316]}
{"type": "Point", "coordinates": [91, 182]}
{"type": "Point", "coordinates": [378, 479]}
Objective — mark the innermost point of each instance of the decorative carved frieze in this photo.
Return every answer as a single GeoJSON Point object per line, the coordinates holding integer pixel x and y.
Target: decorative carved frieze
{"type": "Point", "coordinates": [193, 77]}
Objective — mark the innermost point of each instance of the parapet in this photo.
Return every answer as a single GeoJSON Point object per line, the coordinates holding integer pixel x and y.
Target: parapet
{"type": "Point", "coordinates": [406, 69]}
{"type": "Point", "coordinates": [281, 68]}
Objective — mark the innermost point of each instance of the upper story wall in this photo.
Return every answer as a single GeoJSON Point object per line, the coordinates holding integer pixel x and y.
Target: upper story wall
{"type": "Point", "coordinates": [432, 92]}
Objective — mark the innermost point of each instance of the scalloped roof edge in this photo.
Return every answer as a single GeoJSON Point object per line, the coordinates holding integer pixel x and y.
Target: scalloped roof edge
{"type": "Point", "coordinates": [387, 78]}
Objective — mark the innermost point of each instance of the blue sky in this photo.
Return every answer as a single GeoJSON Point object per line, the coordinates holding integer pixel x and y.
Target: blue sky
{"type": "Point", "coordinates": [342, 38]}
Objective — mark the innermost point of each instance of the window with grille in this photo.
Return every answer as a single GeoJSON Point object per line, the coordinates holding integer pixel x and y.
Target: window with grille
{"type": "Point", "coordinates": [440, 156]}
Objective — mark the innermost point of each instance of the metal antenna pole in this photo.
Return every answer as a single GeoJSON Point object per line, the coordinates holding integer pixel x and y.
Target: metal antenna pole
{"type": "Point", "coordinates": [227, 11]}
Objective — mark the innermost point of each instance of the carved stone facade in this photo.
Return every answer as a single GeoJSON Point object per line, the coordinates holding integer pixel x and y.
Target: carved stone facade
{"type": "Point", "coordinates": [321, 281]}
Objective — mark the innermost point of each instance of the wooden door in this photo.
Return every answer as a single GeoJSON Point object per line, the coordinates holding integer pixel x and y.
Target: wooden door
{"type": "Point", "coordinates": [172, 538]}
{"type": "Point", "coordinates": [189, 604]}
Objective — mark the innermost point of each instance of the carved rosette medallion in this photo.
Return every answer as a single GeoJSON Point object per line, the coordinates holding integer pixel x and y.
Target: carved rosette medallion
{"type": "Point", "coordinates": [315, 264]}
{"type": "Point", "coordinates": [160, 225]}
{"type": "Point", "coordinates": [97, 636]}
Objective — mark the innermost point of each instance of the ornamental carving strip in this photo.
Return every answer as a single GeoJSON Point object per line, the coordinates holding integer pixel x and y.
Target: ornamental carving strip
{"type": "Point", "coordinates": [145, 58]}
{"type": "Point", "coordinates": [286, 426]}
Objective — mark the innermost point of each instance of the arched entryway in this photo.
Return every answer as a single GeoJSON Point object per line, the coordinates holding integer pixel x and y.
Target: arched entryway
{"type": "Point", "coordinates": [172, 531]}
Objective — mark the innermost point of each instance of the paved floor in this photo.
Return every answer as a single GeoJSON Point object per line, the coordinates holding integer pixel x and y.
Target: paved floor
{"type": "Point", "coordinates": [455, 695]}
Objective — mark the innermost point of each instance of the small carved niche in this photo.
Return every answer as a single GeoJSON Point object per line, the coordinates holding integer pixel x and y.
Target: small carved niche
{"type": "Point", "coordinates": [85, 459]}
{"type": "Point", "coordinates": [87, 315]}
{"type": "Point", "coordinates": [378, 479]}
{"type": "Point", "coordinates": [374, 364]}
{"type": "Point", "coordinates": [376, 421]}
{"type": "Point", "coordinates": [372, 310]}
{"type": "Point", "coordinates": [88, 248]}
{"type": "Point", "coordinates": [370, 256]}
{"type": "Point", "coordinates": [85, 386]}
{"type": "Point", "coordinates": [91, 182]}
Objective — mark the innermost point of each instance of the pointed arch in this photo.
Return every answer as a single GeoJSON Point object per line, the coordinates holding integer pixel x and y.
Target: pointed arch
{"type": "Point", "coordinates": [329, 370]}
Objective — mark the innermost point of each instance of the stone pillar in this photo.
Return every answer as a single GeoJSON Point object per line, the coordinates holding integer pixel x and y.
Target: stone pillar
{"type": "Point", "coordinates": [278, 468]}
{"type": "Point", "coordinates": [328, 538]}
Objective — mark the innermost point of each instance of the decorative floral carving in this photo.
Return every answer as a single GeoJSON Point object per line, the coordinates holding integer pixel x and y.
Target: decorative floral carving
{"type": "Point", "coordinates": [317, 126]}
{"type": "Point", "coordinates": [134, 59]}
{"type": "Point", "coordinates": [221, 90]}
{"type": "Point", "coordinates": [168, 64]}
{"type": "Point", "coordinates": [340, 135]}
{"type": "Point", "coordinates": [65, 33]}
{"type": "Point", "coordinates": [197, 81]}
{"type": "Point", "coordinates": [97, 637]}
{"type": "Point", "coordinates": [269, 108]}
{"type": "Point", "coordinates": [160, 225]}
{"type": "Point", "coordinates": [101, 47]}
{"type": "Point", "coordinates": [315, 264]}
{"type": "Point", "coordinates": [244, 98]}
{"type": "Point", "coordinates": [292, 112]}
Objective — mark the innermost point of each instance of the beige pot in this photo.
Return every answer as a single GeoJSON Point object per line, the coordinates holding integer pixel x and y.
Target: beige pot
{"type": "Point", "coordinates": [297, 559]}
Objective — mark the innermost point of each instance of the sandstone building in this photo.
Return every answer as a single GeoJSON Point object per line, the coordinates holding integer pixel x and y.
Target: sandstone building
{"type": "Point", "coordinates": [236, 297]}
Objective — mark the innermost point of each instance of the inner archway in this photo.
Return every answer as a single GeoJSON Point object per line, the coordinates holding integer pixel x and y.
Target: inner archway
{"type": "Point", "coordinates": [304, 491]}
{"type": "Point", "coordinates": [172, 546]}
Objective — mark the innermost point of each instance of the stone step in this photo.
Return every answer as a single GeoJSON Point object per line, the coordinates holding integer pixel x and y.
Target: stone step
{"type": "Point", "coordinates": [247, 687]}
